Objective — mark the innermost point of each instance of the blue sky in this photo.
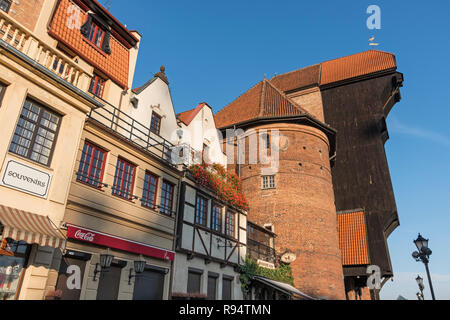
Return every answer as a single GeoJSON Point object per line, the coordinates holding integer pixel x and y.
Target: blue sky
{"type": "Point", "coordinates": [214, 51]}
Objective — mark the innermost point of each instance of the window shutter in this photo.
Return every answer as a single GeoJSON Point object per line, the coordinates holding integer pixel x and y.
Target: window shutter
{"type": "Point", "coordinates": [106, 42]}
{"type": "Point", "coordinates": [86, 26]}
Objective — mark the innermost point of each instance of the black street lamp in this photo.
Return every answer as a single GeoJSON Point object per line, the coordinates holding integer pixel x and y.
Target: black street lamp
{"type": "Point", "coordinates": [106, 259]}
{"type": "Point", "coordinates": [423, 255]}
{"type": "Point", "coordinates": [419, 280]}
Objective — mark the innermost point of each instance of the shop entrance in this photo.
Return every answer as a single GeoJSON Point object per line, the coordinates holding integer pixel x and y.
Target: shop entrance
{"type": "Point", "coordinates": [149, 285]}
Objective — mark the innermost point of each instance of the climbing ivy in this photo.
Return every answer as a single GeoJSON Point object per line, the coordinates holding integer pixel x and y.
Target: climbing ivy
{"type": "Point", "coordinates": [251, 268]}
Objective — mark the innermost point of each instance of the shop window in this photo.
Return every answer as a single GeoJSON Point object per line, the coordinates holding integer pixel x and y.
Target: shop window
{"type": "Point", "coordinates": [268, 182]}
{"type": "Point", "coordinates": [124, 179]}
{"type": "Point", "coordinates": [92, 165]}
{"type": "Point", "coordinates": [150, 188]}
{"type": "Point", "coordinates": [97, 86]}
{"type": "Point", "coordinates": [5, 5]}
{"type": "Point", "coordinates": [109, 282]}
{"type": "Point", "coordinates": [216, 218]}
{"type": "Point", "coordinates": [13, 259]}
{"type": "Point", "coordinates": [212, 287]}
{"type": "Point", "coordinates": [230, 224]}
{"type": "Point", "coordinates": [155, 126]}
{"type": "Point", "coordinates": [167, 198]}
{"type": "Point", "coordinates": [201, 211]}
{"type": "Point", "coordinates": [194, 281]}
{"type": "Point", "coordinates": [149, 285]}
{"type": "Point", "coordinates": [227, 288]}
{"type": "Point", "coordinates": [36, 132]}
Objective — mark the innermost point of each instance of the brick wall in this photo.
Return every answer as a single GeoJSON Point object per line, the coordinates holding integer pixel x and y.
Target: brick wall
{"type": "Point", "coordinates": [301, 208]}
{"type": "Point", "coordinates": [26, 12]}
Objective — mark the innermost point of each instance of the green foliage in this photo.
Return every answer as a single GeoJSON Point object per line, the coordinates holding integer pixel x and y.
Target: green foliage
{"type": "Point", "coordinates": [251, 268]}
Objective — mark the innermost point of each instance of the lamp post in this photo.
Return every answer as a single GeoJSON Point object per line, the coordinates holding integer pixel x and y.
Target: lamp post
{"type": "Point", "coordinates": [421, 288]}
{"type": "Point", "coordinates": [423, 254]}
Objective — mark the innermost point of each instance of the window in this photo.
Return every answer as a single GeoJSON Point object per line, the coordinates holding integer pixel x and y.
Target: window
{"type": "Point", "coordinates": [230, 224]}
{"type": "Point", "coordinates": [268, 182]}
{"type": "Point", "coordinates": [124, 179]}
{"type": "Point", "coordinates": [96, 35]}
{"type": "Point", "coordinates": [216, 218]}
{"type": "Point", "coordinates": [201, 211]}
{"type": "Point", "coordinates": [2, 91]}
{"type": "Point", "coordinates": [194, 281]}
{"type": "Point", "coordinates": [92, 165]}
{"type": "Point", "coordinates": [155, 126]}
{"type": "Point", "coordinates": [5, 5]}
{"type": "Point", "coordinates": [150, 187]}
{"type": "Point", "coordinates": [212, 287]}
{"type": "Point", "coordinates": [97, 85]}
{"type": "Point", "coordinates": [11, 267]}
{"type": "Point", "coordinates": [227, 287]}
{"type": "Point", "coordinates": [265, 140]}
{"type": "Point", "coordinates": [36, 133]}
{"type": "Point", "coordinates": [167, 198]}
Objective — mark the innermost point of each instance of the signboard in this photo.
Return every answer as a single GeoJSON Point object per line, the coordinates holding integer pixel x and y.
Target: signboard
{"type": "Point", "coordinates": [25, 178]}
{"type": "Point", "coordinates": [113, 242]}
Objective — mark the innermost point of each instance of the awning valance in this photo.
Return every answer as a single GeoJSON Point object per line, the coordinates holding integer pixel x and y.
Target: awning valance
{"type": "Point", "coordinates": [32, 228]}
{"type": "Point", "coordinates": [283, 287]}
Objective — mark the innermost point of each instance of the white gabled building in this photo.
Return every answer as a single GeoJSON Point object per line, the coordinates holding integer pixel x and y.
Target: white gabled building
{"type": "Point", "coordinates": [211, 235]}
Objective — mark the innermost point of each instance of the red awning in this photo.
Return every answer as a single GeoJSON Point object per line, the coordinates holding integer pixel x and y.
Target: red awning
{"type": "Point", "coordinates": [114, 242]}
{"type": "Point", "coordinates": [32, 228]}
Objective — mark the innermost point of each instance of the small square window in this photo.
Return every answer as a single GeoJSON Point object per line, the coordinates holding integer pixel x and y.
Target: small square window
{"type": "Point", "coordinates": [5, 5]}
{"type": "Point", "coordinates": [268, 182]}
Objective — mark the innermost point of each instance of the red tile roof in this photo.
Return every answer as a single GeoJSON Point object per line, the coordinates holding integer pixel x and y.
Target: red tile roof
{"type": "Point", "coordinates": [257, 103]}
{"type": "Point", "coordinates": [297, 79]}
{"type": "Point", "coordinates": [353, 238]}
{"type": "Point", "coordinates": [114, 65]}
{"type": "Point", "coordinates": [187, 116]}
{"type": "Point", "coordinates": [262, 101]}
{"type": "Point", "coordinates": [357, 65]}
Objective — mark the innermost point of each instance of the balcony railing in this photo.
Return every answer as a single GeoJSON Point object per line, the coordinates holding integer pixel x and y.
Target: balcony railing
{"type": "Point", "coordinates": [134, 132]}
{"type": "Point", "coordinates": [259, 251]}
{"type": "Point", "coordinates": [23, 40]}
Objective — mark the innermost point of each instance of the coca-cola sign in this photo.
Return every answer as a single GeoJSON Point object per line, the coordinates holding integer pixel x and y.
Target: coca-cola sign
{"type": "Point", "coordinates": [114, 242]}
{"type": "Point", "coordinates": [85, 236]}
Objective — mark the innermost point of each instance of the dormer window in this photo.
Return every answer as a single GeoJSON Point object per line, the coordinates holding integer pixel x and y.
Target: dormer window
{"type": "Point", "coordinates": [5, 5]}
{"type": "Point", "coordinates": [96, 35]}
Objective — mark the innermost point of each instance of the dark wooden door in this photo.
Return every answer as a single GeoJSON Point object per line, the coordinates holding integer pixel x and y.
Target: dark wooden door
{"type": "Point", "coordinates": [149, 286]}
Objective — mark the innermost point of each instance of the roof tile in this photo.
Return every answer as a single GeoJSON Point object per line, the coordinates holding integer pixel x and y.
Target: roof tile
{"type": "Point", "coordinates": [353, 238]}
{"type": "Point", "coordinates": [114, 65]}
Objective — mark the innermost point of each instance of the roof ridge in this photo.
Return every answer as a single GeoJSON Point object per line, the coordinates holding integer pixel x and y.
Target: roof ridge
{"type": "Point", "coordinates": [296, 70]}
{"type": "Point", "coordinates": [262, 98]}
{"type": "Point", "coordinates": [355, 54]}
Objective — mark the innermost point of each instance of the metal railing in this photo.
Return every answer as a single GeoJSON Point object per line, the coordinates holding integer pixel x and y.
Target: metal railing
{"type": "Point", "coordinates": [133, 131]}
{"type": "Point", "coordinates": [259, 251]}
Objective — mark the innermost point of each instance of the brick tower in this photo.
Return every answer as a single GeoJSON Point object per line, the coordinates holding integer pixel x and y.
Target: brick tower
{"type": "Point", "coordinates": [297, 199]}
